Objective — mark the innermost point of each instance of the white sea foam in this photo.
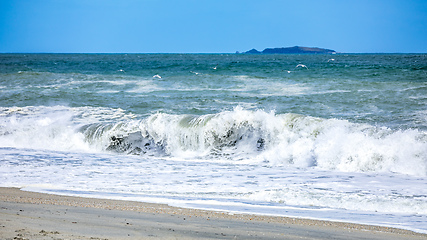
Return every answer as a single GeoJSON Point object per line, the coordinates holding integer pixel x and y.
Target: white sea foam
{"type": "Point", "coordinates": [293, 139]}
{"type": "Point", "coordinates": [257, 136]}
{"type": "Point", "coordinates": [239, 161]}
{"type": "Point", "coordinates": [52, 128]}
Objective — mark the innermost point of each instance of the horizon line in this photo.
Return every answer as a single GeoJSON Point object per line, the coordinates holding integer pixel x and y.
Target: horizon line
{"type": "Point", "coordinates": [236, 53]}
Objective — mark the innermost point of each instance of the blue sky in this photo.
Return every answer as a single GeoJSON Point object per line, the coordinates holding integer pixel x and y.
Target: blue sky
{"type": "Point", "coordinates": [211, 26]}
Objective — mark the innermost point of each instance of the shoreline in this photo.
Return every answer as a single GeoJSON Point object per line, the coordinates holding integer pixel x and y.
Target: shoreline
{"type": "Point", "coordinates": [31, 215]}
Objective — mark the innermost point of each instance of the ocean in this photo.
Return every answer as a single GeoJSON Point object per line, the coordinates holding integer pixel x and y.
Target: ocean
{"type": "Point", "coordinates": [339, 137]}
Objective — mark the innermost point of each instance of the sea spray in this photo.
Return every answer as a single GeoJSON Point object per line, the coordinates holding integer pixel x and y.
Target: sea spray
{"type": "Point", "coordinates": [289, 139]}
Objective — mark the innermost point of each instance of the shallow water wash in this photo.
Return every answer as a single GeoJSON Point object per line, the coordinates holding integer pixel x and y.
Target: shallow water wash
{"type": "Point", "coordinates": [343, 138]}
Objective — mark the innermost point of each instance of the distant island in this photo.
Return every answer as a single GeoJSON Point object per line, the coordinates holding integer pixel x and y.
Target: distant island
{"type": "Point", "coordinates": [290, 50]}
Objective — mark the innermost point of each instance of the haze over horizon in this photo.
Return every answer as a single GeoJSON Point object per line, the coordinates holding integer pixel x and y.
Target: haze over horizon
{"type": "Point", "coordinates": [190, 26]}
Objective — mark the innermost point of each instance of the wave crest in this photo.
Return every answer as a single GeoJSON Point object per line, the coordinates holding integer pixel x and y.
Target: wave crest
{"type": "Point", "coordinates": [237, 136]}
{"type": "Point", "coordinates": [269, 138]}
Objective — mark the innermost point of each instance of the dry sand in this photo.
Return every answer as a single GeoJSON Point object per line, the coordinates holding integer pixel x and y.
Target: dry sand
{"type": "Point", "coordinates": [28, 215]}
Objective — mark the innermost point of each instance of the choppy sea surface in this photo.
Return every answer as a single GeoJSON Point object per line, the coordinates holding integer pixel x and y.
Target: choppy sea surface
{"type": "Point", "coordinates": [335, 137]}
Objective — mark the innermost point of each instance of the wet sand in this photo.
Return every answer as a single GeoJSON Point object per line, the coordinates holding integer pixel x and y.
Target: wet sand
{"type": "Point", "coordinates": [28, 215]}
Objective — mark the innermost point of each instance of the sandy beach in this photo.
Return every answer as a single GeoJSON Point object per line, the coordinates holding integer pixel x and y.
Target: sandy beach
{"type": "Point", "coordinates": [28, 215]}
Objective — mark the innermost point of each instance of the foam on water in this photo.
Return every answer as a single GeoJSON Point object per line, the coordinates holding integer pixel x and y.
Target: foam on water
{"type": "Point", "coordinates": [52, 128]}
{"type": "Point", "coordinates": [343, 141]}
{"type": "Point", "coordinates": [238, 135]}
{"type": "Point", "coordinates": [238, 161]}
{"type": "Point", "coordinates": [287, 139]}
{"type": "Point", "coordinates": [376, 198]}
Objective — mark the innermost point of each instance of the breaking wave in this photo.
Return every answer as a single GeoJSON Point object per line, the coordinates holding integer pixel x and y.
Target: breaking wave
{"type": "Point", "coordinates": [268, 138]}
{"type": "Point", "coordinates": [240, 135]}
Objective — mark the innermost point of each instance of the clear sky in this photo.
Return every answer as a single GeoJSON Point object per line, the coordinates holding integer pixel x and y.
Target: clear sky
{"type": "Point", "coordinates": [211, 26]}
